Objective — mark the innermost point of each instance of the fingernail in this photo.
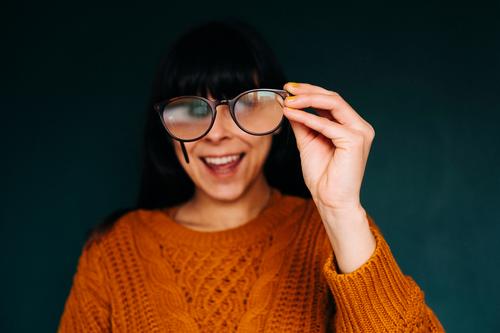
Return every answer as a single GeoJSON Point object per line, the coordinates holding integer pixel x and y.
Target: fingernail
{"type": "Point", "coordinates": [292, 84]}
{"type": "Point", "coordinates": [290, 98]}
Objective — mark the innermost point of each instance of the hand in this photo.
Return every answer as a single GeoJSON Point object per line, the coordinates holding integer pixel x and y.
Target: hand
{"type": "Point", "coordinates": [334, 147]}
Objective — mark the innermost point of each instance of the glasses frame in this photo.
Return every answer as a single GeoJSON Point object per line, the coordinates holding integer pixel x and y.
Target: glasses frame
{"type": "Point", "coordinates": [213, 106]}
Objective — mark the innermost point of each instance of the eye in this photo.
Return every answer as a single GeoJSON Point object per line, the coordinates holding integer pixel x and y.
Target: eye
{"type": "Point", "coordinates": [199, 109]}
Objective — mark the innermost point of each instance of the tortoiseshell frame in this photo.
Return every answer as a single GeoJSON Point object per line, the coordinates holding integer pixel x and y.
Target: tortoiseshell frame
{"type": "Point", "coordinates": [213, 105]}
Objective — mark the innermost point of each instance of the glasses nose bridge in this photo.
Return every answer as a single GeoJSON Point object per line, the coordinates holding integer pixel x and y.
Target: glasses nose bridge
{"type": "Point", "coordinates": [222, 102]}
{"type": "Point", "coordinates": [227, 102]}
{"type": "Point", "coordinates": [227, 119]}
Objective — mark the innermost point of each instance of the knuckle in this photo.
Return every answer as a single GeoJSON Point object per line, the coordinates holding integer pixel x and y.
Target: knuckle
{"type": "Point", "coordinates": [371, 132]}
{"type": "Point", "coordinates": [332, 93]}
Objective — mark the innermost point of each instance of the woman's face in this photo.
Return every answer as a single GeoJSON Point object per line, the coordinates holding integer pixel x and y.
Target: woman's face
{"type": "Point", "coordinates": [227, 161]}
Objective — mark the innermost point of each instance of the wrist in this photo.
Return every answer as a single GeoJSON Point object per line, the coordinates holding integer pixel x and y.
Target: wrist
{"type": "Point", "coordinates": [344, 217]}
{"type": "Point", "coordinates": [350, 236]}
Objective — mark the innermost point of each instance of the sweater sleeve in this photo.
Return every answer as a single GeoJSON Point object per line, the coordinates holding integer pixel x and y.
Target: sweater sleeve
{"type": "Point", "coordinates": [87, 307]}
{"type": "Point", "coordinates": [377, 297]}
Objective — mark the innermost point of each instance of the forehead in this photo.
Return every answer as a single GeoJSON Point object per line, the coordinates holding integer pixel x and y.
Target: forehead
{"type": "Point", "coordinates": [228, 90]}
{"type": "Point", "coordinates": [213, 98]}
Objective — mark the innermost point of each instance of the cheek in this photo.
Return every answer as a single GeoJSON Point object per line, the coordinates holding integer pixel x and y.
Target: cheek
{"type": "Point", "coordinates": [180, 155]}
{"type": "Point", "coordinates": [262, 146]}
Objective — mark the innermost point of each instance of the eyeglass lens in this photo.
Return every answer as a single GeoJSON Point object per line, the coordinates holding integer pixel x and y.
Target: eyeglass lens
{"type": "Point", "coordinates": [256, 112]}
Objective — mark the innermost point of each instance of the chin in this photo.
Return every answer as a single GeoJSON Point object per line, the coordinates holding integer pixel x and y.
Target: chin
{"type": "Point", "coordinates": [224, 192]}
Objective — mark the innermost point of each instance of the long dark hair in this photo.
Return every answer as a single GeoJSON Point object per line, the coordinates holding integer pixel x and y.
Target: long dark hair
{"type": "Point", "coordinates": [223, 58]}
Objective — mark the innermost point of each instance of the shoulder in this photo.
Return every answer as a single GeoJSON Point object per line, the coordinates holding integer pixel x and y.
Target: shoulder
{"type": "Point", "coordinates": [127, 239]}
{"type": "Point", "coordinates": [122, 228]}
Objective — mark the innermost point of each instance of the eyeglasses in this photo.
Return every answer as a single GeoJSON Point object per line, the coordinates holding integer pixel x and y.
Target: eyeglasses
{"type": "Point", "coordinates": [189, 118]}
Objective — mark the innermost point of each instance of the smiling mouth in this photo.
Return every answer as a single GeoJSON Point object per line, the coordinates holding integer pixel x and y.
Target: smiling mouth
{"type": "Point", "coordinates": [223, 164]}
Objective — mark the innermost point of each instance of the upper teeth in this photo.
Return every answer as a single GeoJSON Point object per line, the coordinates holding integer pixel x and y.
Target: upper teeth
{"type": "Point", "coordinates": [222, 160]}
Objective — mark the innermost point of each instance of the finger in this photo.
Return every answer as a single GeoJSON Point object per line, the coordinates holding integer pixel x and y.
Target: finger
{"type": "Point", "coordinates": [304, 135]}
{"type": "Point", "coordinates": [340, 135]}
{"type": "Point", "coordinates": [338, 107]}
{"type": "Point", "coordinates": [302, 132]}
{"type": "Point", "coordinates": [305, 88]}
{"type": "Point", "coordinates": [310, 89]}
{"type": "Point", "coordinates": [331, 130]}
{"type": "Point", "coordinates": [326, 114]}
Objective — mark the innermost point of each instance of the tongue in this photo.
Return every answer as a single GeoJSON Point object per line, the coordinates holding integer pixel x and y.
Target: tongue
{"type": "Point", "coordinates": [223, 167]}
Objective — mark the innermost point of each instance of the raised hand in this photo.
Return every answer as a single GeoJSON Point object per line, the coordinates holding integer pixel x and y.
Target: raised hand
{"type": "Point", "coordinates": [334, 147]}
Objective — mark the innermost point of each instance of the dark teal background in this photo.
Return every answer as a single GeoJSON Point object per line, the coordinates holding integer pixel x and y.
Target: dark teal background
{"type": "Point", "coordinates": [76, 78]}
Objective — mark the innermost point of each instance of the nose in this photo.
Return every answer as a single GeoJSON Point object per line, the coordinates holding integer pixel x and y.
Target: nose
{"type": "Point", "coordinates": [223, 125]}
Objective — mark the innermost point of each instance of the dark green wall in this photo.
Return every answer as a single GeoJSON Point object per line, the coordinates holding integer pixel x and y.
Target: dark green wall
{"type": "Point", "coordinates": [75, 80]}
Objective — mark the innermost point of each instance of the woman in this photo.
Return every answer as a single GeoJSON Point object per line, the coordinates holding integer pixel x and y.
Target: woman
{"type": "Point", "coordinates": [227, 234]}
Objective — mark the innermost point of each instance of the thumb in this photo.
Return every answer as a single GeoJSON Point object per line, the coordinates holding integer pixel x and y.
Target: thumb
{"type": "Point", "coordinates": [300, 131]}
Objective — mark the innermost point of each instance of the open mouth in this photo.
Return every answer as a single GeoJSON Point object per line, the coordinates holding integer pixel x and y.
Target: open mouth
{"type": "Point", "coordinates": [223, 164]}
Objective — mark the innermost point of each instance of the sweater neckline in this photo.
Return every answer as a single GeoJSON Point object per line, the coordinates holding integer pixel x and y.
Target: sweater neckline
{"type": "Point", "coordinates": [163, 223]}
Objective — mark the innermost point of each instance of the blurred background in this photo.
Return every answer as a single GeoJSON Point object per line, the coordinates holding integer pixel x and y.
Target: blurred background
{"type": "Point", "coordinates": [76, 79]}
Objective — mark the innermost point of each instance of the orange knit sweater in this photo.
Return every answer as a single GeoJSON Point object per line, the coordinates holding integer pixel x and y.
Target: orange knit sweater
{"type": "Point", "coordinates": [276, 273]}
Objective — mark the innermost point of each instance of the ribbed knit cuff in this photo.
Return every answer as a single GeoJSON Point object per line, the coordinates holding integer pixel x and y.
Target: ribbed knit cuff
{"type": "Point", "coordinates": [375, 297]}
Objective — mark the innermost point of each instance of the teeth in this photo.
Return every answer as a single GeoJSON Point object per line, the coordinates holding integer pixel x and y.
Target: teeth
{"type": "Point", "coordinates": [221, 160]}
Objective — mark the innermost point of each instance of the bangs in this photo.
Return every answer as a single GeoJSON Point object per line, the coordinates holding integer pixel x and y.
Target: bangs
{"type": "Point", "coordinates": [219, 61]}
{"type": "Point", "coordinates": [222, 74]}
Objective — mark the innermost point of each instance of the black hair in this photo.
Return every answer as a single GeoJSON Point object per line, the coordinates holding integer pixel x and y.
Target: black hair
{"type": "Point", "coordinates": [222, 58]}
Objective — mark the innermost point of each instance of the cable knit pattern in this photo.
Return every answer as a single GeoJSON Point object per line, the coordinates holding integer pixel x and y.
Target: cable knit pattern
{"type": "Point", "coordinates": [276, 273]}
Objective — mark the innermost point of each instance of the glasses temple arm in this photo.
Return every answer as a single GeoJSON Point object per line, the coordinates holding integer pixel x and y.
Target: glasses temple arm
{"type": "Point", "coordinates": [184, 151]}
